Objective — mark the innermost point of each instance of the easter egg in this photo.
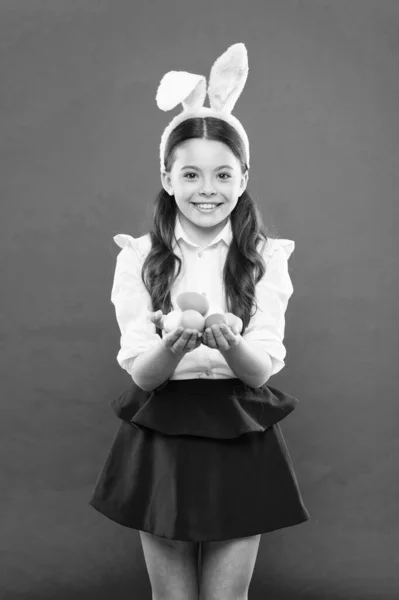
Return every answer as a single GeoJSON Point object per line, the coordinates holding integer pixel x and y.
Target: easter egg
{"type": "Point", "coordinates": [215, 319]}
{"type": "Point", "coordinates": [193, 301]}
{"type": "Point", "coordinates": [192, 319]}
{"type": "Point", "coordinates": [234, 322]}
{"type": "Point", "coordinates": [172, 320]}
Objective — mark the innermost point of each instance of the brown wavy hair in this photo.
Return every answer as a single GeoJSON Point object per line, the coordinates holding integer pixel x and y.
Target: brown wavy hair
{"type": "Point", "coordinates": [244, 265]}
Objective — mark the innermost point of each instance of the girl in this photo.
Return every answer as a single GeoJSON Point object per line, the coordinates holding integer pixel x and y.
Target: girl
{"type": "Point", "coordinates": [201, 462]}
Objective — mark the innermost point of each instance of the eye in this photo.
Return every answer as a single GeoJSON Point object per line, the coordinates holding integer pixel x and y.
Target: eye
{"type": "Point", "coordinates": [186, 175]}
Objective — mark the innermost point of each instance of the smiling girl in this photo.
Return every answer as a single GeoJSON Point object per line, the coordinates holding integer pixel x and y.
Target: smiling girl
{"type": "Point", "coordinates": [201, 463]}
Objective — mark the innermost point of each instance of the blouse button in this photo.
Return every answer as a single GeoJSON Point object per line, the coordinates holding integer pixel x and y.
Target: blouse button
{"type": "Point", "coordinates": [200, 253]}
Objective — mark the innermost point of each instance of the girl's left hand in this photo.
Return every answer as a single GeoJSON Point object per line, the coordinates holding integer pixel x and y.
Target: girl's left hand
{"type": "Point", "coordinates": [220, 337]}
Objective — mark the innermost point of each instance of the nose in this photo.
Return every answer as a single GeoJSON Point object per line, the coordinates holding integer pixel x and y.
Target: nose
{"type": "Point", "coordinates": [207, 191]}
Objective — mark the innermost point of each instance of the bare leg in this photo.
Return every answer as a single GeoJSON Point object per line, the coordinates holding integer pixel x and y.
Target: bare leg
{"type": "Point", "coordinates": [227, 568]}
{"type": "Point", "coordinates": [172, 567]}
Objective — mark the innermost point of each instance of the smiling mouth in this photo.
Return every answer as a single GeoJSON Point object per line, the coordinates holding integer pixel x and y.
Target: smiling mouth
{"type": "Point", "coordinates": [215, 203]}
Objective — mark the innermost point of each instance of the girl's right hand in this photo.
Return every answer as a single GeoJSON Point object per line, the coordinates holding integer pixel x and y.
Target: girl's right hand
{"type": "Point", "coordinates": [180, 341]}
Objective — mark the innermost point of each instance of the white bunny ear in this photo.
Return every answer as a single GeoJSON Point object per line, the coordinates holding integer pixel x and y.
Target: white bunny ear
{"type": "Point", "coordinates": [227, 79]}
{"type": "Point", "coordinates": [180, 86]}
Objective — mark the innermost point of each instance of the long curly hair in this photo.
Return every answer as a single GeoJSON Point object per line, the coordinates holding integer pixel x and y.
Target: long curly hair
{"type": "Point", "coordinates": [244, 265]}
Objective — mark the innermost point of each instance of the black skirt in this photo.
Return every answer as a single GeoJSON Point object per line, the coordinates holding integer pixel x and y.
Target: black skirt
{"type": "Point", "coordinates": [200, 460]}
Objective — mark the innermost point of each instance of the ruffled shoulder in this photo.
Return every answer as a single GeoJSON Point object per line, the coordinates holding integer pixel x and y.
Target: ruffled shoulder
{"type": "Point", "coordinates": [144, 244]}
{"type": "Point", "coordinates": [273, 244]}
{"type": "Point", "coordinates": [125, 241]}
{"type": "Point", "coordinates": [141, 245]}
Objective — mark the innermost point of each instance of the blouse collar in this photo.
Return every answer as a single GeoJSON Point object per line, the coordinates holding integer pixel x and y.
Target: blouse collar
{"type": "Point", "coordinates": [226, 234]}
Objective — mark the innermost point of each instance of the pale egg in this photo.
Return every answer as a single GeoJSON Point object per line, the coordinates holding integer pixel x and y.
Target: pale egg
{"type": "Point", "coordinates": [214, 319]}
{"type": "Point", "coordinates": [193, 301]}
{"type": "Point", "coordinates": [192, 319]}
{"type": "Point", "coordinates": [234, 322]}
{"type": "Point", "coordinates": [172, 320]}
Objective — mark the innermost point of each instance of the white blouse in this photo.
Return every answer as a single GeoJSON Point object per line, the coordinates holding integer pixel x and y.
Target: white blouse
{"type": "Point", "coordinates": [201, 271]}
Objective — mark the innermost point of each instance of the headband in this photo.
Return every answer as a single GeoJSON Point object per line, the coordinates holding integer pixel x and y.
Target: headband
{"type": "Point", "coordinates": [226, 82]}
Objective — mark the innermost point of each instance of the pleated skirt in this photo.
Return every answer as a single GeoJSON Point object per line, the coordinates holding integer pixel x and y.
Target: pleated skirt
{"type": "Point", "coordinates": [194, 487]}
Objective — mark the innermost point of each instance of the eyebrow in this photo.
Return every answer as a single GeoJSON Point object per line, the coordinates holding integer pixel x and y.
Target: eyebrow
{"type": "Point", "coordinates": [197, 169]}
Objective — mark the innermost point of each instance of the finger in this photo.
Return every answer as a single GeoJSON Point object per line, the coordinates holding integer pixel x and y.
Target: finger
{"type": "Point", "coordinates": [231, 336]}
{"type": "Point", "coordinates": [227, 332]}
{"type": "Point", "coordinates": [193, 342]}
{"type": "Point", "coordinates": [156, 317]}
{"type": "Point", "coordinates": [212, 343]}
{"type": "Point", "coordinates": [187, 339]}
{"type": "Point", "coordinates": [176, 339]}
{"type": "Point", "coordinates": [172, 337]}
{"type": "Point", "coordinates": [159, 325]}
{"type": "Point", "coordinates": [195, 338]}
{"type": "Point", "coordinates": [220, 337]}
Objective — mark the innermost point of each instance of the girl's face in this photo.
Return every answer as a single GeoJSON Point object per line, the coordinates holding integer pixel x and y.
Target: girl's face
{"type": "Point", "coordinates": [204, 172]}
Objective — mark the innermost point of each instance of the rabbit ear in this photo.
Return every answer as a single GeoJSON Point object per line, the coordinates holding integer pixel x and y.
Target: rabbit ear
{"type": "Point", "coordinates": [180, 86]}
{"type": "Point", "coordinates": [227, 78]}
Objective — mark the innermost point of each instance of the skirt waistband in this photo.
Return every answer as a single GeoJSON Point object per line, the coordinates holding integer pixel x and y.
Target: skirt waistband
{"type": "Point", "coordinates": [223, 408]}
{"type": "Point", "coordinates": [202, 385]}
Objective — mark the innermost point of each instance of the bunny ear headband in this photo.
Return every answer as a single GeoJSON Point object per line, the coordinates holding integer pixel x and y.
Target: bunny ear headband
{"type": "Point", "coordinates": [226, 82]}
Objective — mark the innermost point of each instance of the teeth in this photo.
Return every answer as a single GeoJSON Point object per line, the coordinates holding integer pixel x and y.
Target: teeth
{"type": "Point", "coordinates": [206, 205]}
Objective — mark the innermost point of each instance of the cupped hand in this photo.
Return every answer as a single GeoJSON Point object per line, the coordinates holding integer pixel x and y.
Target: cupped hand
{"type": "Point", "coordinates": [220, 337]}
{"type": "Point", "coordinates": [179, 340]}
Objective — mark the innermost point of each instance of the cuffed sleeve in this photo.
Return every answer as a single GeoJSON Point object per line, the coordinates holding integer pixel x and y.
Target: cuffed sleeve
{"type": "Point", "coordinates": [132, 303]}
{"type": "Point", "coordinates": [266, 328]}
